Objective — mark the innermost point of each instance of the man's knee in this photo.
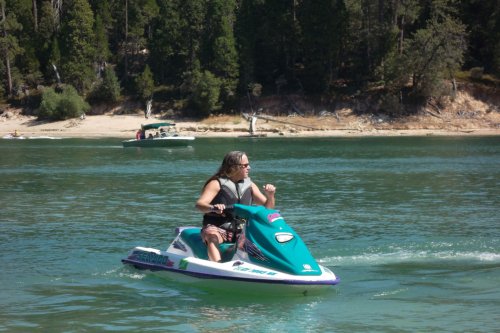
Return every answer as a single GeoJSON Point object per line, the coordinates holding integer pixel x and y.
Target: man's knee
{"type": "Point", "coordinates": [212, 238]}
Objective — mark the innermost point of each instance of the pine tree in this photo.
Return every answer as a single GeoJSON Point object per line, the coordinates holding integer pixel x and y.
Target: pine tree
{"type": "Point", "coordinates": [107, 89]}
{"type": "Point", "coordinates": [435, 53]}
{"type": "Point", "coordinates": [222, 58]}
{"type": "Point", "coordinates": [133, 21]}
{"type": "Point", "coordinates": [193, 13]}
{"type": "Point", "coordinates": [9, 44]}
{"type": "Point", "coordinates": [101, 44]}
{"type": "Point", "coordinates": [205, 97]}
{"type": "Point", "coordinates": [323, 28]}
{"type": "Point", "coordinates": [77, 45]}
{"type": "Point", "coordinates": [167, 45]}
{"type": "Point", "coordinates": [145, 84]}
{"type": "Point", "coordinates": [483, 21]}
{"type": "Point", "coordinates": [27, 64]}
{"type": "Point", "coordinates": [246, 35]}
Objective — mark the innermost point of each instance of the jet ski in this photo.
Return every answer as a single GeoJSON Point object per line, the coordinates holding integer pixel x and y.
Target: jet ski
{"type": "Point", "coordinates": [14, 137]}
{"type": "Point", "coordinates": [268, 256]}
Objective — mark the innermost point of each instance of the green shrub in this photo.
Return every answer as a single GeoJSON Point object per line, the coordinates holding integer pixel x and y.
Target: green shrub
{"type": "Point", "coordinates": [477, 73]}
{"type": "Point", "coordinates": [205, 97]}
{"type": "Point", "coordinates": [145, 84]}
{"type": "Point", "coordinates": [48, 105]}
{"type": "Point", "coordinates": [108, 90]}
{"type": "Point", "coordinates": [60, 106]}
{"type": "Point", "coordinates": [391, 105]}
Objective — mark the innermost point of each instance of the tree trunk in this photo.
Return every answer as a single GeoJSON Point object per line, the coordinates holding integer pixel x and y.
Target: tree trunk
{"type": "Point", "coordinates": [57, 6]}
{"type": "Point", "coordinates": [381, 5]}
{"type": "Point", "coordinates": [401, 35]}
{"type": "Point", "coordinates": [35, 15]}
{"type": "Point", "coordinates": [126, 41]}
{"type": "Point", "coordinates": [5, 51]}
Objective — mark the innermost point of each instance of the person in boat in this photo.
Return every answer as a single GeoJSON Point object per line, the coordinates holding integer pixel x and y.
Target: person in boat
{"type": "Point", "coordinates": [140, 134]}
{"type": "Point", "coordinates": [229, 185]}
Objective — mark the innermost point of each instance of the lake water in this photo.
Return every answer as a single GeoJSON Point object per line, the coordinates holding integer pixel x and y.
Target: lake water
{"type": "Point", "coordinates": [410, 225]}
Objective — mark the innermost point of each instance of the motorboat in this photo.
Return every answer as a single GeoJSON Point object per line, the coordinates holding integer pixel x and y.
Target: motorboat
{"type": "Point", "coordinates": [165, 136]}
{"type": "Point", "coordinates": [268, 256]}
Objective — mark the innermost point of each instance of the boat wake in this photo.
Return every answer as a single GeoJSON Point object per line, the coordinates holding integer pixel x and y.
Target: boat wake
{"type": "Point", "coordinates": [403, 256]}
{"type": "Point", "coordinates": [45, 137]}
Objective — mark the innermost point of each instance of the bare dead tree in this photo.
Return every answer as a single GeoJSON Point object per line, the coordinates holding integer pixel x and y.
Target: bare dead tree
{"type": "Point", "coordinates": [57, 6]}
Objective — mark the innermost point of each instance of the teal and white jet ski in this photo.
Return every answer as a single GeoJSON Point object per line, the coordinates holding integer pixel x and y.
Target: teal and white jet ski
{"type": "Point", "coordinates": [267, 256]}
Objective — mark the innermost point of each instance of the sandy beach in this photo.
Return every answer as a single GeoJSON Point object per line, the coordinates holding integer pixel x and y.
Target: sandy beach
{"type": "Point", "coordinates": [465, 116]}
{"type": "Point", "coordinates": [125, 126]}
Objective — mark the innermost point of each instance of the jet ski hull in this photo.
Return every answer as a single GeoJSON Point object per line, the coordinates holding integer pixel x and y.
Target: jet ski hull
{"type": "Point", "coordinates": [235, 274]}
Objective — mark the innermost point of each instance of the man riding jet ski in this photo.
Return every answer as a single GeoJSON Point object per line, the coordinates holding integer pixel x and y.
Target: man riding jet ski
{"type": "Point", "coordinates": [247, 244]}
{"type": "Point", "coordinates": [229, 185]}
{"type": "Point", "coordinates": [268, 254]}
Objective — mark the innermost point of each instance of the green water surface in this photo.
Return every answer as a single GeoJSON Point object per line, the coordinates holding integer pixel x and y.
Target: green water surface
{"type": "Point", "coordinates": [411, 226]}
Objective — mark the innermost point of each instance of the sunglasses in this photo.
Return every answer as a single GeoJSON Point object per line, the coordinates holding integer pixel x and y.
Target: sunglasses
{"type": "Point", "coordinates": [244, 166]}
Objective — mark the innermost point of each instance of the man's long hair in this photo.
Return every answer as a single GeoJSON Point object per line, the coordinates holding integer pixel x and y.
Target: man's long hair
{"type": "Point", "coordinates": [230, 165]}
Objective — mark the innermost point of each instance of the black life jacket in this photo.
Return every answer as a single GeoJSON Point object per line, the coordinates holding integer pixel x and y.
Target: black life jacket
{"type": "Point", "coordinates": [229, 194]}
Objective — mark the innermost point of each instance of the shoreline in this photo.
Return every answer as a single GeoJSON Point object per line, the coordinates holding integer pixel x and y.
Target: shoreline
{"type": "Point", "coordinates": [125, 127]}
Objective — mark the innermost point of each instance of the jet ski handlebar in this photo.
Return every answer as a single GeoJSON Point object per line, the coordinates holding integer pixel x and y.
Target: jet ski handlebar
{"type": "Point", "coordinates": [229, 209]}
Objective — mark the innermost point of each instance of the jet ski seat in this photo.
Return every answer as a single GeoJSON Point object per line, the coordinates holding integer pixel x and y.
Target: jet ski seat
{"type": "Point", "coordinates": [192, 237]}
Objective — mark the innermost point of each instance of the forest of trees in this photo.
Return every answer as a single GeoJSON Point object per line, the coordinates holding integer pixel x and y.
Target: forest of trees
{"type": "Point", "coordinates": [60, 57]}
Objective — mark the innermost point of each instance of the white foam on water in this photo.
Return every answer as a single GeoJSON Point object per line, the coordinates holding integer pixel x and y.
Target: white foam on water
{"type": "Point", "coordinates": [132, 275]}
{"type": "Point", "coordinates": [411, 256]}
{"type": "Point", "coordinates": [46, 137]}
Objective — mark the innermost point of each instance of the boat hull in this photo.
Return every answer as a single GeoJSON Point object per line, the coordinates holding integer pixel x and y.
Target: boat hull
{"type": "Point", "coordinates": [174, 141]}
